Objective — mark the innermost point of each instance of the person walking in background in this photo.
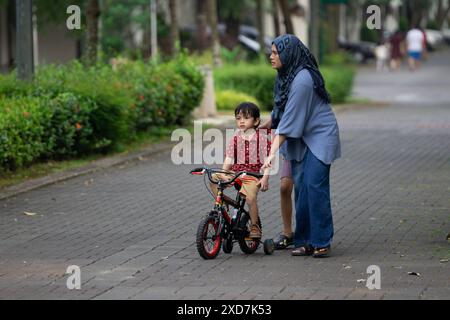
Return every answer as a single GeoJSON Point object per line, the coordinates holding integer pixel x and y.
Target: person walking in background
{"type": "Point", "coordinates": [382, 55]}
{"type": "Point", "coordinates": [415, 44]}
{"type": "Point", "coordinates": [425, 42]}
{"type": "Point", "coordinates": [397, 50]}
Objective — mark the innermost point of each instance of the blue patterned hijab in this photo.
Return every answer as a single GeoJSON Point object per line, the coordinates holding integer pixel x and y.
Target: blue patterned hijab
{"type": "Point", "coordinates": [294, 57]}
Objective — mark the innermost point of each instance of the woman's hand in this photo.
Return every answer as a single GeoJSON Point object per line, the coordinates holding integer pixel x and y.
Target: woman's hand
{"type": "Point", "coordinates": [264, 183]}
{"type": "Point", "coordinates": [266, 125]}
{"type": "Point", "coordinates": [268, 162]}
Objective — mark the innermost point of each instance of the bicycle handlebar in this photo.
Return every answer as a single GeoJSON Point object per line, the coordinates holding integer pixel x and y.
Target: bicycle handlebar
{"type": "Point", "coordinates": [200, 171]}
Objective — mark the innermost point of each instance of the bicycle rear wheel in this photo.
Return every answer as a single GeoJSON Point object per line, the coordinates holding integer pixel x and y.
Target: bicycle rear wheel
{"type": "Point", "coordinates": [208, 238]}
{"type": "Point", "coordinates": [247, 244]}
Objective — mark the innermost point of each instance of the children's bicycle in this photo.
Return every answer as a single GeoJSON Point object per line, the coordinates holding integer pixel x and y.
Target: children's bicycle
{"type": "Point", "coordinates": [218, 227]}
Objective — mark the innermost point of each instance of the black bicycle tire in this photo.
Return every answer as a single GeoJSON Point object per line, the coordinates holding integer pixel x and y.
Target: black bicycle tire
{"type": "Point", "coordinates": [241, 239]}
{"type": "Point", "coordinates": [200, 239]}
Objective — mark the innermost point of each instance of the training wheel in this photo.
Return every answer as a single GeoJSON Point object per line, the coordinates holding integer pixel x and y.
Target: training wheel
{"type": "Point", "coordinates": [269, 246]}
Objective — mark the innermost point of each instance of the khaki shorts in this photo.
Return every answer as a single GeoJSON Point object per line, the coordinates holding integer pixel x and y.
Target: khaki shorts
{"type": "Point", "coordinates": [249, 186]}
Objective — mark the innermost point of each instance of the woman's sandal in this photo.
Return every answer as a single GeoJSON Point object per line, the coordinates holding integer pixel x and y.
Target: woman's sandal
{"type": "Point", "coordinates": [321, 252]}
{"type": "Point", "coordinates": [303, 251]}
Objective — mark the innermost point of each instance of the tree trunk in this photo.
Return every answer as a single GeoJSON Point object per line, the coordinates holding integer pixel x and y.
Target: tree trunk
{"type": "Point", "coordinates": [276, 18]}
{"type": "Point", "coordinates": [260, 24]}
{"type": "Point", "coordinates": [201, 26]}
{"type": "Point", "coordinates": [284, 5]}
{"type": "Point", "coordinates": [442, 14]}
{"type": "Point", "coordinates": [417, 10]}
{"type": "Point", "coordinates": [92, 39]}
{"type": "Point", "coordinates": [174, 32]}
{"type": "Point", "coordinates": [146, 41]}
{"type": "Point", "coordinates": [333, 26]}
{"type": "Point", "coordinates": [212, 15]}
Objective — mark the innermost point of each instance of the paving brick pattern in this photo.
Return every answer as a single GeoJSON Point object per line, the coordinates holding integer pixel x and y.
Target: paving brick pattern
{"type": "Point", "coordinates": [131, 228]}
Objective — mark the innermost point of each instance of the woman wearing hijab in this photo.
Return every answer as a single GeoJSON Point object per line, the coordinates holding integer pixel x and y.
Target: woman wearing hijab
{"type": "Point", "coordinates": [307, 129]}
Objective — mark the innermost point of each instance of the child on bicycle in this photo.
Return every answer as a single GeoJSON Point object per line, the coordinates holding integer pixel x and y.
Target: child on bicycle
{"type": "Point", "coordinates": [246, 152]}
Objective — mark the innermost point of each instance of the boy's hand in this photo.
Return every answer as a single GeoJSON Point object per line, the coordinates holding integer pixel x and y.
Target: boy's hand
{"type": "Point", "coordinates": [264, 183]}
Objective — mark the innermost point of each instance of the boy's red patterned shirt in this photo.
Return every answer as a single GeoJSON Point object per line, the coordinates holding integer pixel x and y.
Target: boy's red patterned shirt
{"type": "Point", "coordinates": [248, 154]}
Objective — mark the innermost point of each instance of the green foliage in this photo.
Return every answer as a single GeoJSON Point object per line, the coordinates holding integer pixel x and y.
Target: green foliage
{"type": "Point", "coordinates": [119, 18]}
{"type": "Point", "coordinates": [9, 84]}
{"type": "Point", "coordinates": [203, 58]}
{"type": "Point", "coordinates": [370, 35]}
{"type": "Point", "coordinates": [108, 112]}
{"type": "Point", "coordinates": [253, 79]}
{"type": "Point", "coordinates": [230, 56]}
{"type": "Point", "coordinates": [72, 110]}
{"type": "Point", "coordinates": [163, 94]}
{"type": "Point", "coordinates": [258, 80]}
{"type": "Point", "coordinates": [50, 11]}
{"type": "Point", "coordinates": [432, 24]}
{"type": "Point", "coordinates": [233, 8]}
{"type": "Point", "coordinates": [230, 99]}
{"type": "Point", "coordinates": [116, 19]}
{"type": "Point", "coordinates": [338, 81]}
{"type": "Point", "coordinates": [74, 127]}
{"type": "Point", "coordinates": [191, 84]}
{"type": "Point", "coordinates": [22, 130]}
{"type": "Point", "coordinates": [338, 72]}
{"type": "Point", "coordinates": [339, 58]}
{"type": "Point", "coordinates": [403, 24]}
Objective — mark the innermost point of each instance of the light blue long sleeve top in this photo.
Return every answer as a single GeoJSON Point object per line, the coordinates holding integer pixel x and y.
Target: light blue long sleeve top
{"type": "Point", "coordinates": [308, 121]}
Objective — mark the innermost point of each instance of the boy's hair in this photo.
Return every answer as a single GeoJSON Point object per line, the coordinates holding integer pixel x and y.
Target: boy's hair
{"type": "Point", "coordinates": [248, 109]}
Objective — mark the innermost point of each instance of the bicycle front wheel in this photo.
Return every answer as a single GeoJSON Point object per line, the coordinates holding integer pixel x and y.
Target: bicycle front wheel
{"type": "Point", "coordinates": [208, 238]}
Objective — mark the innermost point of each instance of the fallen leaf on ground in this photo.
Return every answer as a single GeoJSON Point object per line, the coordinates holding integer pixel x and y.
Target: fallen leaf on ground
{"type": "Point", "coordinates": [30, 213]}
{"type": "Point", "coordinates": [361, 280]}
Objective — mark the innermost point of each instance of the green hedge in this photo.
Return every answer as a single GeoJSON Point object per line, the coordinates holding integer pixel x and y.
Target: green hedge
{"type": "Point", "coordinates": [339, 82]}
{"type": "Point", "coordinates": [229, 99]}
{"type": "Point", "coordinates": [70, 110]}
{"type": "Point", "coordinates": [22, 130]}
{"type": "Point", "coordinates": [258, 81]}
{"type": "Point", "coordinates": [254, 80]}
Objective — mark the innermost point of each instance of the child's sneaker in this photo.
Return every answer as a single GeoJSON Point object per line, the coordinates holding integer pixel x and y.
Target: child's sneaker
{"type": "Point", "coordinates": [255, 232]}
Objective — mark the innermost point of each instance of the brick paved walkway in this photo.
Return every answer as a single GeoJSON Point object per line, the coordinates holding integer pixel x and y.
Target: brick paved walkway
{"type": "Point", "coordinates": [131, 229]}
